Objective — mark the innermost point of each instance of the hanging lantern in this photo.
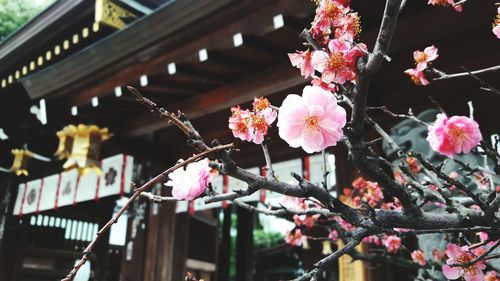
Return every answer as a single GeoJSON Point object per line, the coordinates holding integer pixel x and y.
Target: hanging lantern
{"type": "Point", "coordinates": [21, 159]}
{"type": "Point", "coordinates": [65, 144]}
{"type": "Point", "coordinates": [81, 145]}
{"type": "Point", "coordinates": [327, 248]}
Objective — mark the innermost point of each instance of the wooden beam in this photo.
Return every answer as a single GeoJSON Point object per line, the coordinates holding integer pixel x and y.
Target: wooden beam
{"type": "Point", "coordinates": [264, 83]}
{"type": "Point", "coordinates": [40, 30]}
{"type": "Point", "coordinates": [83, 80]}
{"type": "Point", "coordinates": [121, 45]}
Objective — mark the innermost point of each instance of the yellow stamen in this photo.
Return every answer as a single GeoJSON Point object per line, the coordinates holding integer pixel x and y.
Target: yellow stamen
{"type": "Point", "coordinates": [312, 122]}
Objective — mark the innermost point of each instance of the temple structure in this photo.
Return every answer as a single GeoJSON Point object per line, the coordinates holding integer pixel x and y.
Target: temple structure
{"type": "Point", "coordinates": [71, 65]}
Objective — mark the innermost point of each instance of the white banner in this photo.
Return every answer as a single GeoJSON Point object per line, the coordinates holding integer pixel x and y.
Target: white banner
{"type": "Point", "coordinates": [66, 195]}
{"type": "Point", "coordinates": [68, 188]}
{"type": "Point", "coordinates": [31, 198]}
{"type": "Point", "coordinates": [49, 192]}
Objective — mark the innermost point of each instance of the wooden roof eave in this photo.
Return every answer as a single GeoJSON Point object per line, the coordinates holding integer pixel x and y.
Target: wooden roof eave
{"type": "Point", "coordinates": [39, 30]}
{"type": "Point", "coordinates": [118, 47]}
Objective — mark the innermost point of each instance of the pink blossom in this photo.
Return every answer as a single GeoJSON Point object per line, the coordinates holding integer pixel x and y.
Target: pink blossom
{"type": "Point", "coordinates": [445, 3]}
{"type": "Point", "coordinates": [450, 136]}
{"type": "Point", "coordinates": [307, 221]}
{"type": "Point", "coordinates": [189, 183]}
{"type": "Point", "coordinates": [458, 254]}
{"type": "Point", "coordinates": [252, 126]}
{"type": "Point", "coordinates": [350, 27]}
{"type": "Point", "coordinates": [438, 256]}
{"type": "Point", "coordinates": [339, 64]}
{"type": "Point", "coordinates": [334, 235]}
{"type": "Point", "coordinates": [313, 121]}
{"type": "Point", "coordinates": [261, 122]}
{"type": "Point", "coordinates": [483, 236]}
{"type": "Point", "coordinates": [240, 123]}
{"type": "Point", "coordinates": [423, 58]}
{"type": "Point", "coordinates": [417, 76]}
{"type": "Point", "coordinates": [295, 238]}
{"type": "Point", "coordinates": [392, 243]}
{"type": "Point", "coordinates": [496, 24]}
{"type": "Point", "coordinates": [302, 60]}
{"type": "Point", "coordinates": [491, 276]}
{"type": "Point", "coordinates": [324, 85]}
{"type": "Point", "coordinates": [345, 225]}
{"type": "Point", "coordinates": [418, 257]}
{"type": "Point", "coordinates": [329, 14]}
{"type": "Point", "coordinates": [373, 239]}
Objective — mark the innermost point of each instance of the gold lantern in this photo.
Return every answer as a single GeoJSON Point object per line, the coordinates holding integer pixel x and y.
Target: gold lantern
{"type": "Point", "coordinates": [65, 144]}
{"type": "Point", "coordinates": [81, 145]}
{"type": "Point", "coordinates": [21, 159]}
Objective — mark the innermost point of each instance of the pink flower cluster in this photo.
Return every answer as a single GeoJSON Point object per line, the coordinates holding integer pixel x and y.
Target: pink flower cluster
{"type": "Point", "coordinates": [457, 254]}
{"type": "Point", "coordinates": [191, 182]}
{"type": "Point", "coordinates": [252, 125]}
{"type": "Point", "coordinates": [344, 224]}
{"type": "Point", "coordinates": [392, 243]}
{"type": "Point", "coordinates": [418, 257]}
{"type": "Point", "coordinates": [368, 191]}
{"type": "Point", "coordinates": [496, 24]}
{"type": "Point", "coordinates": [491, 276]}
{"type": "Point", "coordinates": [450, 136]}
{"type": "Point", "coordinates": [304, 220]}
{"type": "Point", "coordinates": [313, 121]}
{"type": "Point", "coordinates": [296, 238]}
{"type": "Point", "coordinates": [335, 27]}
{"type": "Point", "coordinates": [445, 3]}
{"type": "Point", "coordinates": [422, 61]}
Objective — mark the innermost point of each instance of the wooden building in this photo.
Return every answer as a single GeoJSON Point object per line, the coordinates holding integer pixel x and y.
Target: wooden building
{"type": "Point", "coordinates": [201, 57]}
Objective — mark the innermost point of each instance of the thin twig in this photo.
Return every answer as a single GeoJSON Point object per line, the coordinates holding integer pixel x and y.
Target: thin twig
{"type": "Point", "coordinates": [443, 75]}
{"type": "Point", "coordinates": [325, 170]}
{"type": "Point", "coordinates": [157, 198]}
{"type": "Point", "coordinates": [269, 164]}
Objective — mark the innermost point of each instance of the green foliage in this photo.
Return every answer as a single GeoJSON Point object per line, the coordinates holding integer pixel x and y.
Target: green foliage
{"type": "Point", "coordinates": [263, 239]}
{"type": "Point", "coordinates": [15, 13]}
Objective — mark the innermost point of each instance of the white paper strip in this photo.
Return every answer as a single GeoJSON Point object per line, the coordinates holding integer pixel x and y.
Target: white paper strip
{"type": "Point", "coordinates": [32, 194]}
{"type": "Point", "coordinates": [19, 199]}
{"type": "Point", "coordinates": [111, 174]}
{"type": "Point", "coordinates": [87, 187]}
{"type": "Point", "coordinates": [67, 188]}
{"type": "Point", "coordinates": [49, 192]}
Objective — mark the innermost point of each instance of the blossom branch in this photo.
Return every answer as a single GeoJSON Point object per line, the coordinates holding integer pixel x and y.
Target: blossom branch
{"type": "Point", "coordinates": [478, 258]}
{"type": "Point", "coordinates": [484, 207]}
{"type": "Point", "coordinates": [285, 212]}
{"type": "Point", "coordinates": [321, 265]}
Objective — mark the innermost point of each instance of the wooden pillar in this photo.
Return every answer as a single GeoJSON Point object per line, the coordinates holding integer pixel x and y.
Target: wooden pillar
{"type": "Point", "coordinates": [165, 241]}
{"type": "Point", "coordinates": [244, 245]}
{"type": "Point", "coordinates": [159, 245]}
{"type": "Point", "coordinates": [133, 253]}
{"type": "Point", "coordinates": [225, 246]}
{"type": "Point", "coordinates": [181, 237]}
